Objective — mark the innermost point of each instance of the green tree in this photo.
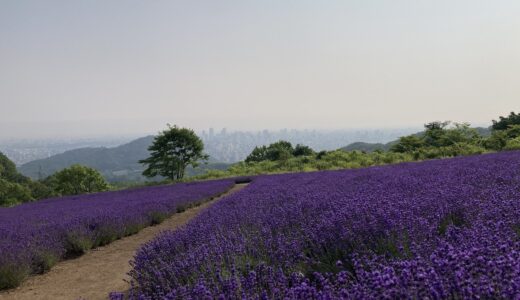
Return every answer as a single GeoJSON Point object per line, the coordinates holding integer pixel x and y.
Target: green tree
{"type": "Point", "coordinates": [497, 141]}
{"type": "Point", "coordinates": [8, 171]}
{"type": "Point", "coordinates": [513, 131]}
{"type": "Point", "coordinates": [258, 154]}
{"type": "Point", "coordinates": [172, 151]}
{"type": "Point", "coordinates": [76, 180]}
{"type": "Point", "coordinates": [513, 144]}
{"type": "Point", "coordinates": [12, 193]}
{"type": "Point", "coordinates": [434, 133]}
{"type": "Point", "coordinates": [302, 150]}
{"type": "Point", "coordinates": [407, 144]}
{"type": "Point", "coordinates": [281, 150]}
{"type": "Point", "coordinates": [503, 123]}
{"type": "Point", "coordinates": [503, 139]}
{"type": "Point", "coordinates": [42, 189]}
{"type": "Point", "coordinates": [460, 133]}
{"type": "Point", "coordinates": [13, 185]}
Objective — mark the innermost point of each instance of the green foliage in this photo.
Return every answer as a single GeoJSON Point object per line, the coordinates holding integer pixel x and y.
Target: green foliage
{"type": "Point", "coordinates": [513, 144]}
{"type": "Point", "coordinates": [407, 144]}
{"type": "Point", "coordinates": [497, 141]}
{"type": "Point", "coordinates": [8, 171]}
{"type": "Point", "coordinates": [280, 151]}
{"type": "Point", "coordinates": [368, 147]}
{"type": "Point", "coordinates": [12, 275]}
{"type": "Point", "coordinates": [133, 228]}
{"type": "Point", "coordinates": [77, 244]}
{"type": "Point", "coordinates": [439, 141]}
{"type": "Point", "coordinates": [44, 261]}
{"type": "Point", "coordinates": [42, 189]}
{"type": "Point", "coordinates": [458, 149]}
{"type": "Point", "coordinates": [157, 217]}
{"type": "Point", "coordinates": [105, 235]}
{"type": "Point", "coordinates": [77, 180]}
{"type": "Point", "coordinates": [513, 131]}
{"type": "Point", "coordinates": [504, 139]}
{"type": "Point", "coordinates": [459, 134]}
{"type": "Point", "coordinates": [14, 187]}
{"type": "Point", "coordinates": [258, 154]}
{"type": "Point", "coordinates": [505, 122]}
{"type": "Point", "coordinates": [326, 160]}
{"type": "Point", "coordinates": [13, 193]}
{"type": "Point", "coordinates": [172, 151]}
{"type": "Point", "coordinates": [434, 133]}
{"type": "Point", "coordinates": [302, 150]}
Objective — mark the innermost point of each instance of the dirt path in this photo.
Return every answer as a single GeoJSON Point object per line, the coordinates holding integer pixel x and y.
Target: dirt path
{"type": "Point", "coordinates": [100, 271]}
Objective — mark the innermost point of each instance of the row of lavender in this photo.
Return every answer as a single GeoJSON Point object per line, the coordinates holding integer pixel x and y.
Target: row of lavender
{"type": "Point", "coordinates": [438, 229]}
{"type": "Point", "coordinates": [34, 236]}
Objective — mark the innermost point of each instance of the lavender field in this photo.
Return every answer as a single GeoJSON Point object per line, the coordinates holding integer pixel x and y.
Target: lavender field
{"type": "Point", "coordinates": [34, 236]}
{"type": "Point", "coordinates": [441, 229]}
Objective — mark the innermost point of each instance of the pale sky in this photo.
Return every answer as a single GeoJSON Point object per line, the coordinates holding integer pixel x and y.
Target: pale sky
{"type": "Point", "coordinates": [122, 67]}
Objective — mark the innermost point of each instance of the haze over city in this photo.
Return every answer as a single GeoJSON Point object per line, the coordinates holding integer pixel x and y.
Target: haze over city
{"type": "Point", "coordinates": [83, 68]}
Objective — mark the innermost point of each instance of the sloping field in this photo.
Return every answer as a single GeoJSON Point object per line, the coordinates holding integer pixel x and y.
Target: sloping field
{"type": "Point", "coordinates": [34, 236]}
{"type": "Point", "coordinates": [94, 275]}
{"type": "Point", "coordinates": [437, 229]}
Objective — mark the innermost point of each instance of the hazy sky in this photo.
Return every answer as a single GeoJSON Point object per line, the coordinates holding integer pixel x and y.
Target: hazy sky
{"type": "Point", "coordinates": [109, 67]}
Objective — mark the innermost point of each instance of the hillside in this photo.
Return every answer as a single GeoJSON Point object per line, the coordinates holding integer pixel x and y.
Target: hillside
{"type": "Point", "coordinates": [370, 147]}
{"type": "Point", "coordinates": [427, 230]}
{"type": "Point", "coordinates": [116, 164]}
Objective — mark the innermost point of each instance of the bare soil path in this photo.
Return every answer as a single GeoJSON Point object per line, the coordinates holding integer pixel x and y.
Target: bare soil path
{"type": "Point", "coordinates": [102, 270]}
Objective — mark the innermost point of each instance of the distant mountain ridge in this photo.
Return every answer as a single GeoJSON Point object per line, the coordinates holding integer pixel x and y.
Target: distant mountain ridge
{"type": "Point", "coordinates": [119, 163]}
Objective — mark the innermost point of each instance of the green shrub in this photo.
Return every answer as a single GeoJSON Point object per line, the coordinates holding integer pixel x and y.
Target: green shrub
{"type": "Point", "coordinates": [106, 235]}
{"type": "Point", "coordinates": [134, 228]}
{"type": "Point", "coordinates": [157, 217]}
{"type": "Point", "coordinates": [12, 193]}
{"type": "Point", "coordinates": [77, 244]}
{"type": "Point", "coordinates": [513, 144]}
{"type": "Point", "coordinates": [44, 261]}
{"type": "Point", "coordinates": [12, 275]}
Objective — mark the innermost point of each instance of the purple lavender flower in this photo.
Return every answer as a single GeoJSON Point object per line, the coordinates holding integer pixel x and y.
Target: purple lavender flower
{"type": "Point", "coordinates": [431, 230]}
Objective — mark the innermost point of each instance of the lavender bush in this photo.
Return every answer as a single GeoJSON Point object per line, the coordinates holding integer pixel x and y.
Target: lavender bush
{"type": "Point", "coordinates": [442, 229]}
{"type": "Point", "coordinates": [34, 236]}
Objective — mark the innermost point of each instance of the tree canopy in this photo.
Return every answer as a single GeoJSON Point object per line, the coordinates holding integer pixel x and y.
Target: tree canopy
{"type": "Point", "coordinates": [8, 171]}
{"type": "Point", "coordinates": [437, 135]}
{"type": "Point", "coordinates": [281, 150]}
{"type": "Point", "coordinates": [76, 180]}
{"type": "Point", "coordinates": [504, 123]}
{"type": "Point", "coordinates": [172, 151]}
{"type": "Point", "coordinates": [14, 187]}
